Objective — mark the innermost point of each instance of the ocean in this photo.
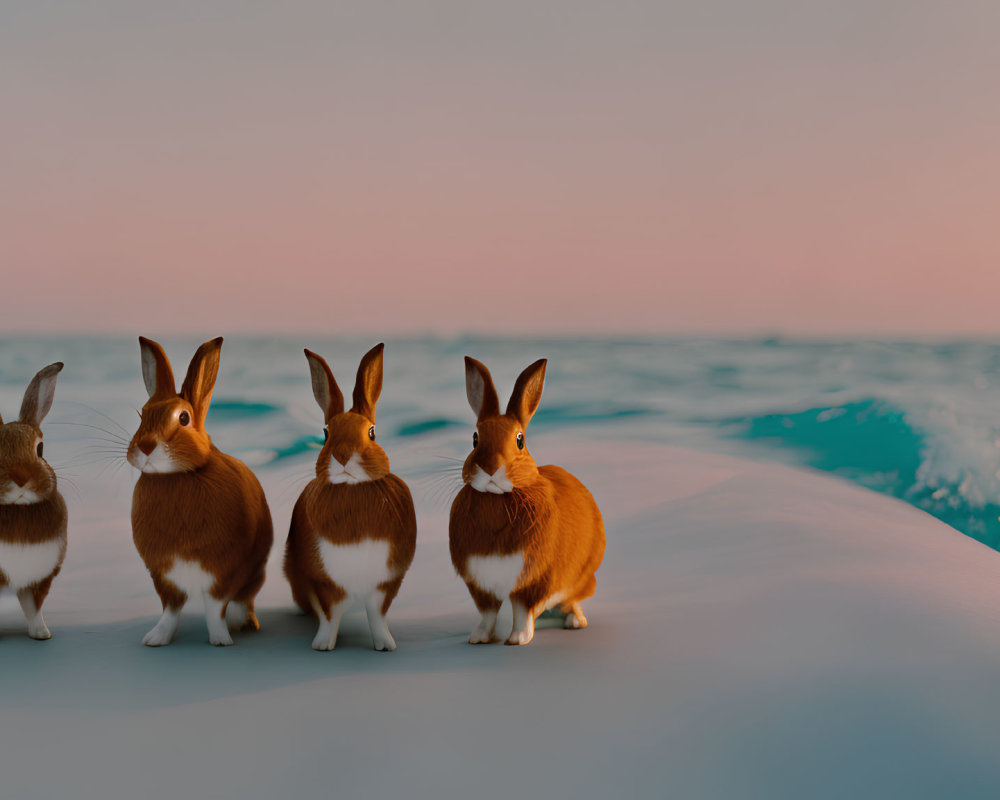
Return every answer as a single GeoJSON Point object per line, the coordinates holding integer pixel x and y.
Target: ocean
{"type": "Point", "coordinates": [915, 420]}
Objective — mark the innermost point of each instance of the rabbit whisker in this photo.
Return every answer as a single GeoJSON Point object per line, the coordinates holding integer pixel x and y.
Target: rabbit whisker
{"type": "Point", "coordinates": [101, 414]}
{"type": "Point", "coordinates": [112, 436]}
{"type": "Point", "coordinates": [294, 487]}
{"type": "Point", "coordinates": [63, 480]}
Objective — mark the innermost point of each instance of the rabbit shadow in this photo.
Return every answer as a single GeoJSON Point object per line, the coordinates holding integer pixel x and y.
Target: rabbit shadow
{"type": "Point", "coordinates": [106, 666]}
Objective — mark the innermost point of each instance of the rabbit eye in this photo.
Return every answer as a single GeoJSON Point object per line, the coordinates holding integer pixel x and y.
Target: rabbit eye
{"type": "Point", "coordinates": [520, 441]}
{"type": "Point", "coordinates": [39, 449]}
{"type": "Point", "coordinates": [326, 434]}
{"type": "Point", "coordinates": [371, 433]}
{"type": "Point", "coordinates": [475, 438]}
{"type": "Point", "coordinates": [184, 418]}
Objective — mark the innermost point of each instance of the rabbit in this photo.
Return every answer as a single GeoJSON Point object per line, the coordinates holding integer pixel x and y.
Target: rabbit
{"type": "Point", "coordinates": [32, 512]}
{"type": "Point", "coordinates": [353, 530]}
{"type": "Point", "coordinates": [533, 534]}
{"type": "Point", "coordinates": [200, 520]}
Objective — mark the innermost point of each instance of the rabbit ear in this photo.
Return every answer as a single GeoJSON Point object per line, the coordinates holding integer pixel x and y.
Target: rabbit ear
{"type": "Point", "coordinates": [368, 385]}
{"type": "Point", "coordinates": [156, 371]}
{"type": "Point", "coordinates": [38, 396]}
{"type": "Point", "coordinates": [325, 389]}
{"type": "Point", "coordinates": [200, 379]}
{"type": "Point", "coordinates": [527, 392]}
{"type": "Point", "coordinates": [480, 390]}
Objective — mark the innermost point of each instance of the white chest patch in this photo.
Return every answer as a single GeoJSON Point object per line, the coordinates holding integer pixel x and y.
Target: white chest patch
{"type": "Point", "coordinates": [189, 577]}
{"type": "Point", "coordinates": [360, 567]}
{"type": "Point", "coordinates": [497, 575]}
{"type": "Point", "coordinates": [25, 564]}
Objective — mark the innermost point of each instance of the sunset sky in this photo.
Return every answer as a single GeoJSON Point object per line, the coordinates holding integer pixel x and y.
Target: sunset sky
{"type": "Point", "coordinates": [737, 166]}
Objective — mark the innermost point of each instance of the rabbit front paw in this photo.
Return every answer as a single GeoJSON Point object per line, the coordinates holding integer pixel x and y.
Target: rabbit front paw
{"type": "Point", "coordinates": [519, 637]}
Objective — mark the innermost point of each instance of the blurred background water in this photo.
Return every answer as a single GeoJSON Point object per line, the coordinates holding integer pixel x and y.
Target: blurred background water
{"type": "Point", "coordinates": [915, 420]}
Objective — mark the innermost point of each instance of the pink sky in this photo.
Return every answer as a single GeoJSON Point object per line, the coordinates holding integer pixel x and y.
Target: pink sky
{"type": "Point", "coordinates": [513, 168]}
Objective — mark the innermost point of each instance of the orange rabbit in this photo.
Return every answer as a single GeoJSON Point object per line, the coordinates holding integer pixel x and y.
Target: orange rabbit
{"type": "Point", "coordinates": [533, 534]}
{"type": "Point", "coordinates": [353, 530]}
{"type": "Point", "coordinates": [199, 517]}
{"type": "Point", "coordinates": [32, 512]}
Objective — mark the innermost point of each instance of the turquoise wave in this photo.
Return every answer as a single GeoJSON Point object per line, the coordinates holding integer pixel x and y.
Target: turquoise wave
{"type": "Point", "coordinates": [229, 410]}
{"type": "Point", "coordinates": [304, 444]}
{"type": "Point", "coordinates": [872, 442]}
{"type": "Point", "coordinates": [419, 426]}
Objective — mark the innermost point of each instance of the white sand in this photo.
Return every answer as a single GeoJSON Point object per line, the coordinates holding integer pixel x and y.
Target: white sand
{"type": "Point", "coordinates": [757, 632]}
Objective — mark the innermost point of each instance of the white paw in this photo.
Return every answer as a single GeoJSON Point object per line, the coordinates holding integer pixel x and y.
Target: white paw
{"type": "Point", "coordinates": [385, 643]}
{"type": "Point", "coordinates": [575, 621]}
{"type": "Point", "coordinates": [519, 637]}
{"type": "Point", "coordinates": [481, 636]}
{"type": "Point", "coordinates": [39, 632]}
{"type": "Point", "coordinates": [220, 638]}
{"type": "Point", "coordinates": [158, 637]}
{"type": "Point", "coordinates": [324, 643]}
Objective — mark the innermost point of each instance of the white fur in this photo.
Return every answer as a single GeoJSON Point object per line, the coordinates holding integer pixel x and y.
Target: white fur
{"type": "Point", "coordinates": [497, 575]}
{"type": "Point", "coordinates": [524, 625]}
{"type": "Point", "coordinates": [189, 577]}
{"type": "Point", "coordinates": [358, 568]}
{"type": "Point", "coordinates": [557, 599]}
{"type": "Point", "coordinates": [326, 634]}
{"type": "Point", "coordinates": [350, 473]}
{"type": "Point", "coordinates": [19, 496]}
{"type": "Point", "coordinates": [26, 564]}
{"type": "Point", "coordinates": [218, 630]}
{"type": "Point", "coordinates": [497, 483]}
{"type": "Point", "coordinates": [163, 632]}
{"type": "Point", "coordinates": [381, 637]}
{"type": "Point", "coordinates": [158, 462]}
{"type": "Point", "coordinates": [483, 634]}
{"type": "Point", "coordinates": [37, 629]}
{"type": "Point", "coordinates": [575, 618]}
{"type": "Point", "coordinates": [192, 579]}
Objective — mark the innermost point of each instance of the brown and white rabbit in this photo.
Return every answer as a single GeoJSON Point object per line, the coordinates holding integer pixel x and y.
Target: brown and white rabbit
{"type": "Point", "coordinates": [199, 517]}
{"type": "Point", "coordinates": [533, 534]}
{"type": "Point", "coordinates": [32, 512]}
{"type": "Point", "coordinates": [353, 530]}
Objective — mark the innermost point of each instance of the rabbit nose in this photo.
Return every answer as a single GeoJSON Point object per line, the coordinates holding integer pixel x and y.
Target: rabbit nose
{"type": "Point", "coordinates": [342, 455]}
{"type": "Point", "coordinates": [147, 446]}
{"type": "Point", "coordinates": [489, 465]}
{"type": "Point", "coordinates": [19, 478]}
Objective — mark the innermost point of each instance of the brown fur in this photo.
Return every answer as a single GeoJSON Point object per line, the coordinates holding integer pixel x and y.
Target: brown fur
{"type": "Point", "coordinates": [215, 516]}
{"type": "Point", "coordinates": [213, 512]}
{"type": "Point", "coordinates": [20, 465]}
{"type": "Point", "coordinates": [377, 509]}
{"type": "Point", "coordinates": [548, 515]}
